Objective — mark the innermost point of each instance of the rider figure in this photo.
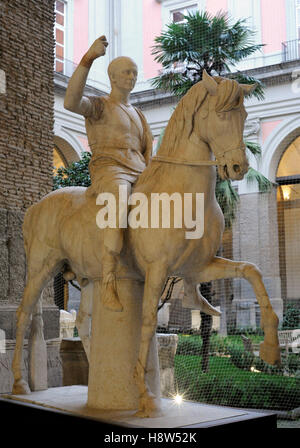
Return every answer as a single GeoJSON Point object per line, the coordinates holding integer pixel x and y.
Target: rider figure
{"type": "Point", "coordinates": [120, 141]}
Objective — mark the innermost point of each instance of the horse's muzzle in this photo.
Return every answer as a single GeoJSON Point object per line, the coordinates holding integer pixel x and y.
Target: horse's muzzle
{"type": "Point", "coordinates": [233, 171]}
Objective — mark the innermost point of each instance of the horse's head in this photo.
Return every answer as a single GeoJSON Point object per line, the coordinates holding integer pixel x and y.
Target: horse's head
{"type": "Point", "coordinates": [224, 125]}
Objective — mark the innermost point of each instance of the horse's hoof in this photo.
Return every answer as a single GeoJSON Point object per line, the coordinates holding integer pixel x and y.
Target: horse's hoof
{"type": "Point", "coordinates": [270, 353]}
{"type": "Point", "coordinates": [148, 407]}
{"type": "Point", "coordinates": [21, 387]}
{"type": "Point", "coordinates": [146, 413]}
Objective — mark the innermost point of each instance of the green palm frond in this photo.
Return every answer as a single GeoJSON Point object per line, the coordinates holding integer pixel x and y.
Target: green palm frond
{"type": "Point", "coordinates": [176, 83]}
{"type": "Point", "coordinates": [258, 92]}
{"type": "Point", "coordinates": [214, 43]}
{"type": "Point", "coordinates": [253, 148]}
{"type": "Point", "coordinates": [228, 199]}
{"type": "Point", "coordinates": [254, 176]}
{"type": "Point", "coordinates": [161, 135]}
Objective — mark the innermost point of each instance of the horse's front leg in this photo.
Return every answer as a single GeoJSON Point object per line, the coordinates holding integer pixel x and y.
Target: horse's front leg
{"type": "Point", "coordinates": [155, 278]}
{"type": "Point", "coordinates": [83, 319]}
{"type": "Point", "coordinates": [221, 268]}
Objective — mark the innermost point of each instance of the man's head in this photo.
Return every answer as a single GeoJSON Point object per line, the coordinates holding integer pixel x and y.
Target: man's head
{"type": "Point", "coordinates": [122, 73]}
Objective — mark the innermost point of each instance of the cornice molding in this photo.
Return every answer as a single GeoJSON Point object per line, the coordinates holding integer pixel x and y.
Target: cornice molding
{"type": "Point", "coordinates": [271, 75]}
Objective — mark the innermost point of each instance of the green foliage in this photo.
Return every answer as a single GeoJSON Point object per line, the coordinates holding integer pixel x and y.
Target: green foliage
{"type": "Point", "coordinates": [76, 174]}
{"type": "Point", "coordinates": [215, 44]}
{"type": "Point", "coordinates": [228, 199]}
{"type": "Point", "coordinates": [204, 42]}
{"type": "Point", "coordinates": [192, 344]}
{"type": "Point", "coordinates": [189, 345]}
{"type": "Point", "coordinates": [227, 385]}
{"type": "Point", "coordinates": [293, 362]}
{"type": "Point", "coordinates": [247, 331]}
{"type": "Point", "coordinates": [254, 149]}
{"type": "Point", "coordinates": [291, 318]}
{"type": "Point", "coordinates": [253, 176]}
{"type": "Point", "coordinates": [241, 358]}
{"type": "Point", "coordinates": [246, 79]}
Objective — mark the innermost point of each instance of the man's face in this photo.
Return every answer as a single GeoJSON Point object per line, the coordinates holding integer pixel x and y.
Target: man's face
{"type": "Point", "coordinates": [124, 75]}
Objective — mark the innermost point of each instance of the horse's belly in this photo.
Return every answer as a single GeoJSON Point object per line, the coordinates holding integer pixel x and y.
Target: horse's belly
{"type": "Point", "coordinates": [177, 247]}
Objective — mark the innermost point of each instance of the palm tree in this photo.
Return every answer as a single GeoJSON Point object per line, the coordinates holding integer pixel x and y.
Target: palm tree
{"type": "Point", "coordinates": [185, 50]}
{"type": "Point", "coordinates": [203, 42]}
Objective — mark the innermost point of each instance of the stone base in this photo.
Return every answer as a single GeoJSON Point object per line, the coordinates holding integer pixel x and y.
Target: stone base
{"type": "Point", "coordinates": [245, 311]}
{"type": "Point", "coordinates": [75, 365]}
{"type": "Point", "coordinates": [54, 367]}
{"type": "Point", "coordinates": [72, 401]}
{"type": "Point", "coordinates": [50, 317]}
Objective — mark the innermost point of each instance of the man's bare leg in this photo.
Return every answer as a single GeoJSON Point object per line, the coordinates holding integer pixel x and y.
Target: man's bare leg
{"type": "Point", "coordinates": [109, 295]}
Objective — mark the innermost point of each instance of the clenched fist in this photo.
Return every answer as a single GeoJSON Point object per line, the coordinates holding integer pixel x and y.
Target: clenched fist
{"type": "Point", "coordinates": [97, 49]}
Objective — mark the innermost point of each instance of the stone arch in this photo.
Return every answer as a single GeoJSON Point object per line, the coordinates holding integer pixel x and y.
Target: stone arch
{"type": "Point", "coordinates": [276, 143]}
{"type": "Point", "coordinates": [66, 149]}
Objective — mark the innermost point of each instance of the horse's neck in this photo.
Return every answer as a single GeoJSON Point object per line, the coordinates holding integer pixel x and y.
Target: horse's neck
{"type": "Point", "coordinates": [192, 178]}
{"type": "Point", "coordinates": [189, 149]}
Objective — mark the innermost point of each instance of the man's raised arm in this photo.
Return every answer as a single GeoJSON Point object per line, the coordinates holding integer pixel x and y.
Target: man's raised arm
{"type": "Point", "coordinates": [74, 99]}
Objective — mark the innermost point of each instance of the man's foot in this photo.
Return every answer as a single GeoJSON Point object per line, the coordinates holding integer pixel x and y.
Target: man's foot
{"type": "Point", "coordinates": [110, 298]}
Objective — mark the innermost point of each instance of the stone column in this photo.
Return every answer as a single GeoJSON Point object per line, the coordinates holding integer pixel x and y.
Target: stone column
{"type": "Point", "coordinates": [255, 239]}
{"type": "Point", "coordinates": [26, 148]}
{"type": "Point", "coordinates": [115, 342]}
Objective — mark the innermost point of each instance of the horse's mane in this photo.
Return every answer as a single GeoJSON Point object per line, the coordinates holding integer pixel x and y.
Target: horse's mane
{"type": "Point", "coordinates": [181, 124]}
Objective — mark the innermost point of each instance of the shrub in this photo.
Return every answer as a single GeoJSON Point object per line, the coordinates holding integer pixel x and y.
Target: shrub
{"type": "Point", "coordinates": [233, 330]}
{"type": "Point", "coordinates": [291, 318]}
{"type": "Point", "coordinates": [240, 357]}
{"type": "Point", "coordinates": [76, 174]}
{"type": "Point", "coordinates": [218, 344]}
{"type": "Point", "coordinates": [262, 366]}
{"type": "Point", "coordinates": [293, 362]}
{"type": "Point", "coordinates": [227, 386]}
{"type": "Point", "coordinates": [189, 345]}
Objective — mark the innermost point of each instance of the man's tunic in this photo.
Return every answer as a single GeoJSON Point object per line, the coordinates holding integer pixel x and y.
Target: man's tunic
{"type": "Point", "coordinates": [120, 141]}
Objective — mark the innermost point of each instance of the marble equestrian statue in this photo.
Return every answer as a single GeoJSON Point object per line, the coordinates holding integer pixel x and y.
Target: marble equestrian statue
{"type": "Point", "coordinates": [205, 133]}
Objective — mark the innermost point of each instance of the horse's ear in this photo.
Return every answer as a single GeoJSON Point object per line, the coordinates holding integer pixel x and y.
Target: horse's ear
{"type": "Point", "coordinates": [248, 88]}
{"type": "Point", "coordinates": [209, 83]}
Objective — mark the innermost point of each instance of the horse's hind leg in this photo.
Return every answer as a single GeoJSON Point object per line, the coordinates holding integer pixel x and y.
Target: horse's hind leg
{"type": "Point", "coordinates": [83, 319]}
{"type": "Point", "coordinates": [221, 268]}
{"type": "Point", "coordinates": [32, 292]}
{"type": "Point", "coordinates": [155, 278]}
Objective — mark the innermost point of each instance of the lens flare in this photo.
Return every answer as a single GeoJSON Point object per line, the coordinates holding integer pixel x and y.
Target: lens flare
{"type": "Point", "coordinates": [178, 399]}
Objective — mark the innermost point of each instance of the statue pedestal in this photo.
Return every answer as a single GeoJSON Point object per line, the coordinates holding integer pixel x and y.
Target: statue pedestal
{"type": "Point", "coordinates": [115, 341]}
{"type": "Point", "coordinates": [67, 405]}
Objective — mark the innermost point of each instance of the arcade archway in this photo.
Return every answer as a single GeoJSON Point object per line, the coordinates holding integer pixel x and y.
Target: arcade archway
{"type": "Point", "coordinates": [288, 201]}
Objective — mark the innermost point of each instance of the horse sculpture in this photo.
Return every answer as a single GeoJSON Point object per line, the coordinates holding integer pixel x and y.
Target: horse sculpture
{"type": "Point", "coordinates": [60, 232]}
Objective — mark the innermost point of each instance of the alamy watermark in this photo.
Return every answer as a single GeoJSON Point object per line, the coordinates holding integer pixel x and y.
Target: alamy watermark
{"type": "Point", "coordinates": [188, 211]}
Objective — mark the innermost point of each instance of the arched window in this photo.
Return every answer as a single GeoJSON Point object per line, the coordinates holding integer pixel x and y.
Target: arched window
{"type": "Point", "coordinates": [58, 159]}
{"type": "Point", "coordinates": [288, 197]}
